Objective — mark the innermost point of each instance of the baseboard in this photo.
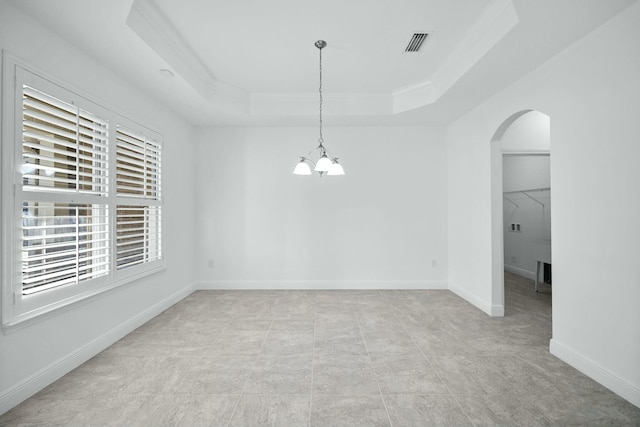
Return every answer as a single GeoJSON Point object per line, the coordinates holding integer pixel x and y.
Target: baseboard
{"type": "Point", "coordinates": [484, 305]}
{"type": "Point", "coordinates": [596, 372]}
{"type": "Point", "coordinates": [520, 271]}
{"type": "Point", "coordinates": [320, 284]}
{"type": "Point", "coordinates": [36, 382]}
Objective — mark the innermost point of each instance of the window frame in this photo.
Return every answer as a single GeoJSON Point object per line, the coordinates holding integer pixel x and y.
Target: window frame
{"type": "Point", "coordinates": [18, 308]}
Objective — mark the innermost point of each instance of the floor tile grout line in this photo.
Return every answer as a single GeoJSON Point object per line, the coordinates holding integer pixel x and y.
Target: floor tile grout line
{"type": "Point", "coordinates": [225, 328]}
{"type": "Point", "coordinates": [249, 376]}
{"type": "Point", "coordinates": [313, 351]}
{"type": "Point", "coordinates": [436, 372]}
{"type": "Point", "coordinates": [375, 375]}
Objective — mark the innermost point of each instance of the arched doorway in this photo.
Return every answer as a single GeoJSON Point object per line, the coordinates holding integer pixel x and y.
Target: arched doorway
{"type": "Point", "coordinates": [524, 133]}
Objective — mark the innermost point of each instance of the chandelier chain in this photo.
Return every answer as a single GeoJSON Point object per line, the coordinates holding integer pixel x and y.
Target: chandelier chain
{"type": "Point", "coordinates": [321, 139]}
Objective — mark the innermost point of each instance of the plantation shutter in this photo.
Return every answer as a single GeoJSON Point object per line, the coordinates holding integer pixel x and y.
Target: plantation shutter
{"type": "Point", "coordinates": [64, 149]}
{"type": "Point", "coordinates": [138, 213]}
{"type": "Point", "coordinates": [65, 219]}
{"type": "Point", "coordinates": [63, 244]}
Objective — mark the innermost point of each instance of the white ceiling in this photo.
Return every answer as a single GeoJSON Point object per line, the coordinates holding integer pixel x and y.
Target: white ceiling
{"type": "Point", "coordinates": [268, 46]}
{"type": "Point", "coordinates": [253, 62]}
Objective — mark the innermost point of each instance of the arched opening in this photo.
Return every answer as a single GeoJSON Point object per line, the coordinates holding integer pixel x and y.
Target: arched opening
{"type": "Point", "coordinates": [520, 153]}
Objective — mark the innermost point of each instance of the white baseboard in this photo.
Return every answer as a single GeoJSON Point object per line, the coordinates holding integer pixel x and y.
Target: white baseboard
{"type": "Point", "coordinates": [484, 305]}
{"type": "Point", "coordinates": [596, 372]}
{"type": "Point", "coordinates": [520, 271]}
{"type": "Point", "coordinates": [497, 311]}
{"type": "Point", "coordinates": [320, 284]}
{"type": "Point", "coordinates": [36, 382]}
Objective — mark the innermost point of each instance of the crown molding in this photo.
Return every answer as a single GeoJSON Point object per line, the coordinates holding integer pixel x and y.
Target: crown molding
{"type": "Point", "coordinates": [493, 24]}
{"type": "Point", "coordinates": [149, 22]}
{"type": "Point", "coordinates": [357, 104]}
{"type": "Point", "coordinates": [155, 29]}
{"type": "Point", "coordinates": [414, 96]}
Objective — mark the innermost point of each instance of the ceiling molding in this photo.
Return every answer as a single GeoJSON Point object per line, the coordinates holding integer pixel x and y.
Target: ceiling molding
{"type": "Point", "coordinates": [414, 96]}
{"type": "Point", "coordinates": [151, 24]}
{"type": "Point", "coordinates": [494, 23]}
{"type": "Point", "coordinates": [157, 31]}
{"type": "Point", "coordinates": [359, 104]}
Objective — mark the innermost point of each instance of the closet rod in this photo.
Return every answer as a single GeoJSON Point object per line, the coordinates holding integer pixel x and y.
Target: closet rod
{"type": "Point", "coordinates": [511, 201]}
{"type": "Point", "coordinates": [527, 191]}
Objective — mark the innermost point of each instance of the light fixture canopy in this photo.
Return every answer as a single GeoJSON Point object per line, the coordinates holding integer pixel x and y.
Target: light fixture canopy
{"type": "Point", "coordinates": [325, 164]}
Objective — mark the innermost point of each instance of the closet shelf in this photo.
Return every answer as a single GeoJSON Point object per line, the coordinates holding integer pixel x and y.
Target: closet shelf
{"type": "Point", "coordinates": [525, 192]}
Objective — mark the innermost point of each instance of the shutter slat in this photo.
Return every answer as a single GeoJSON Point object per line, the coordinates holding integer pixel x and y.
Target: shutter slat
{"type": "Point", "coordinates": [48, 133]}
{"type": "Point", "coordinates": [51, 121]}
{"type": "Point", "coordinates": [129, 177]}
{"type": "Point", "coordinates": [132, 182]}
{"type": "Point", "coordinates": [44, 98]}
{"type": "Point", "coordinates": [59, 151]}
{"type": "Point", "coordinates": [43, 287]}
{"type": "Point", "coordinates": [38, 248]}
{"type": "Point", "coordinates": [129, 160]}
{"type": "Point", "coordinates": [134, 148]}
{"type": "Point", "coordinates": [129, 137]}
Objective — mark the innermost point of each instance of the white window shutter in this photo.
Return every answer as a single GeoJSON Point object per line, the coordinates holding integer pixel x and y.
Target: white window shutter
{"type": "Point", "coordinates": [65, 240]}
{"type": "Point", "coordinates": [64, 149]}
{"type": "Point", "coordinates": [138, 213]}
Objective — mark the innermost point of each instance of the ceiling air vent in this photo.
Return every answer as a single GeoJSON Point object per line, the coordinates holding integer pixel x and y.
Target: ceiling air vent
{"type": "Point", "coordinates": [416, 42]}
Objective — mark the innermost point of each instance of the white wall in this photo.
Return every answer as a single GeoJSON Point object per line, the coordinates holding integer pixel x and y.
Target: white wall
{"type": "Point", "coordinates": [591, 91]}
{"type": "Point", "coordinates": [529, 133]}
{"type": "Point", "coordinates": [383, 224]}
{"type": "Point", "coordinates": [35, 354]}
{"type": "Point", "coordinates": [525, 172]}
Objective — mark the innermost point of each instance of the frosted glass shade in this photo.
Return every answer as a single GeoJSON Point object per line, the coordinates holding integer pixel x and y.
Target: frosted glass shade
{"type": "Point", "coordinates": [336, 169]}
{"type": "Point", "coordinates": [323, 165]}
{"type": "Point", "coordinates": [302, 168]}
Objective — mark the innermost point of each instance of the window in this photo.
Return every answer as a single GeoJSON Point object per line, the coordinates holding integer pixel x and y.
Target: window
{"type": "Point", "coordinates": [138, 189]}
{"type": "Point", "coordinates": [65, 236]}
{"type": "Point", "coordinates": [63, 244]}
{"type": "Point", "coordinates": [84, 184]}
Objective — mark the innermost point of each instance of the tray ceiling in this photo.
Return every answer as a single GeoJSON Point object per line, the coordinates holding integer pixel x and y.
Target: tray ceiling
{"type": "Point", "coordinates": [253, 62]}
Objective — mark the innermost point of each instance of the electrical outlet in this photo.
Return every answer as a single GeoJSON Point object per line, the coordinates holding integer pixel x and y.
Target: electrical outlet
{"type": "Point", "coordinates": [210, 263]}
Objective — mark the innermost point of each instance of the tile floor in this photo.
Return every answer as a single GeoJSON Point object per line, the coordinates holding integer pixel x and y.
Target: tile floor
{"type": "Point", "coordinates": [329, 358]}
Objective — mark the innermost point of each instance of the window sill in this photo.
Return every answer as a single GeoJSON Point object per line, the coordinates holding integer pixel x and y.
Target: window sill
{"type": "Point", "coordinates": [47, 312]}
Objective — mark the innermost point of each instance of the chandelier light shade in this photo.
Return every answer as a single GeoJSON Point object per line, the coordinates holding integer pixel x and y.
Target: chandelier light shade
{"type": "Point", "coordinates": [323, 165]}
{"type": "Point", "coordinates": [302, 168]}
{"type": "Point", "coordinates": [326, 164]}
{"type": "Point", "coordinates": [336, 168]}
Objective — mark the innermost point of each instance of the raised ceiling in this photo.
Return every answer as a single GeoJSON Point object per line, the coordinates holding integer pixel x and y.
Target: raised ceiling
{"type": "Point", "coordinates": [267, 46]}
{"type": "Point", "coordinates": [253, 62]}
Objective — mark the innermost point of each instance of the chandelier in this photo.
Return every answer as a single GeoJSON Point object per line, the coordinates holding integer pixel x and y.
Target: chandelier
{"type": "Point", "coordinates": [326, 163]}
